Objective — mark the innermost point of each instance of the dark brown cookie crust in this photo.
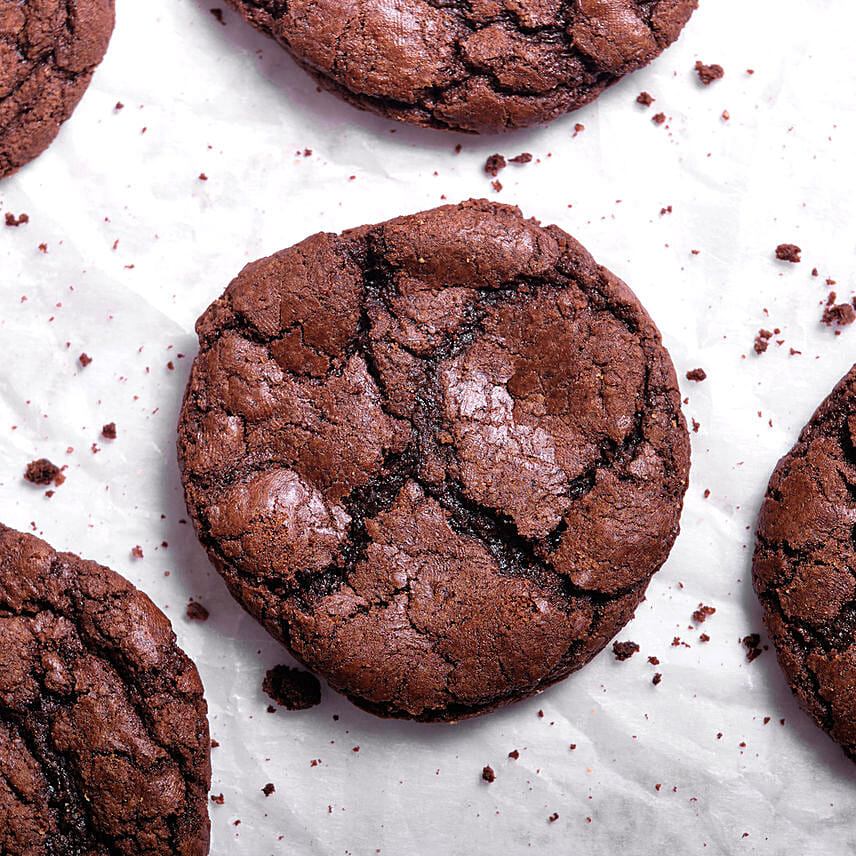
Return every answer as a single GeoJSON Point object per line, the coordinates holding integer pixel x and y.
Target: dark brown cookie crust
{"type": "Point", "coordinates": [484, 66]}
{"type": "Point", "coordinates": [48, 52]}
{"type": "Point", "coordinates": [439, 458]}
{"type": "Point", "coordinates": [804, 568]}
{"type": "Point", "coordinates": [104, 745]}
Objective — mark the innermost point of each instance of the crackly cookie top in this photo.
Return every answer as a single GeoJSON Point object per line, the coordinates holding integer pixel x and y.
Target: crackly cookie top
{"type": "Point", "coordinates": [439, 457]}
{"type": "Point", "coordinates": [805, 564]}
{"type": "Point", "coordinates": [48, 51]}
{"type": "Point", "coordinates": [483, 65]}
{"type": "Point", "coordinates": [104, 746]}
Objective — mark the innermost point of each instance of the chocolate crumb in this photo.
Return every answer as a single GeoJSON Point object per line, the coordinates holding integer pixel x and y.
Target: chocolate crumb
{"type": "Point", "coordinates": [762, 341]}
{"type": "Point", "coordinates": [704, 638]}
{"type": "Point", "coordinates": [488, 774]}
{"type": "Point", "coordinates": [293, 689]}
{"type": "Point", "coordinates": [708, 73]}
{"type": "Point", "coordinates": [658, 118]}
{"type": "Point", "coordinates": [196, 611]}
{"type": "Point", "coordinates": [514, 754]}
{"type": "Point", "coordinates": [219, 799]}
{"type": "Point", "coordinates": [702, 613]}
{"type": "Point", "coordinates": [698, 375]}
{"type": "Point", "coordinates": [218, 14]}
{"type": "Point", "coordinates": [496, 185]}
{"type": "Point", "coordinates": [43, 472]}
{"type": "Point", "coordinates": [553, 817]}
{"type": "Point", "coordinates": [654, 661]}
{"type": "Point", "coordinates": [268, 789]}
{"type": "Point", "coordinates": [645, 98]}
{"type": "Point", "coordinates": [85, 360]}
{"type": "Point", "coordinates": [656, 679]}
{"type": "Point", "coordinates": [109, 431]}
{"type": "Point", "coordinates": [12, 220]}
{"type": "Point", "coordinates": [137, 552]}
{"type": "Point", "coordinates": [752, 644]}
{"type": "Point", "coordinates": [788, 253]}
{"type": "Point", "coordinates": [214, 744]}
{"type": "Point", "coordinates": [523, 157]}
{"type": "Point", "coordinates": [840, 314]}
{"type": "Point", "coordinates": [494, 164]}
{"type": "Point", "coordinates": [203, 177]}
{"type": "Point", "coordinates": [624, 650]}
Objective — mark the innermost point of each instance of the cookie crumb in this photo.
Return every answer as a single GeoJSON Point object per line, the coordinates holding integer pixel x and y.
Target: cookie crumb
{"type": "Point", "coordinates": [269, 789]}
{"type": "Point", "coordinates": [42, 472]}
{"type": "Point", "coordinates": [523, 157]}
{"type": "Point", "coordinates": [624, 650]}
{"type": "Point", "coordinates": [645, 98]}
{"type": "Point", "coordinates": [219, 799]}
{"type": "Point", "coordinates": [108, 431]}
{"type": "Point", "coordinates": [840, 314]}
{"type": "Point", "coordinates": [579, 128]}
{"type": "Point", "coordinates": [708, 73]}
{"type": "Point", "coordinates": [494, 164]}
{"type": "Point", "coordinates": [218, 14]}
{"type": "Point", "coordinates": [553, 817]}
{"type": "Point", "coordinates": [788, 253]}
{"type": "Point", "coordinates": [656, 679]}
{"type": "Point", "coordinates": [293, 689]}
{"type": "Point", "coordinates": [137, 552]}
{"type": "Point", "coordinates": [196, 611]}
{"type": "Point", "coordinates": [658, 118]}
{"type": "Point", "coordinates": [752, 644]}
{"type": "Point", "coordinates": [702, 613]}
{"type": "Point", "coordinates": [84, 360]}
{"type": "Point", "coordinates": [698, 375]}
{"type": "Point", "coordinates": [488, 774]}
{"type": "Point", "coordinates": [762, 341]}
{"type": "Point", "coordinates": [12, 220]}
{"type": "Point", "coordinates": [514, 754]}
{"type": "Point", "coordinates": [654, 661]}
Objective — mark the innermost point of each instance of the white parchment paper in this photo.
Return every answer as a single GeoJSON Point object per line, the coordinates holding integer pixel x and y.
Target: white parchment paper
{"type": "Point", "coordinates": [137, 246]}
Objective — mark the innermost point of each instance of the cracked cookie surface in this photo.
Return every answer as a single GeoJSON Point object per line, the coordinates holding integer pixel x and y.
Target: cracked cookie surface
{"type": "Point", "coordinates": [104, 745]}
{"type": "Point", "coordinates": [804, 567]}
{"type": "Point", "coordinates": [439, 458]}
{"type": "Point", "coordinates": [482, 65]}
{"type": "Point", "coordinates": [48, 52]}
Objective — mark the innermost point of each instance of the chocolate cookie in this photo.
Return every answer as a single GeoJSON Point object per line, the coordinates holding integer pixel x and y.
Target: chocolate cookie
{"type": "Point", "coordinates": [486, 65]}
{"type": "Point", "coordinates": [804, 568]}
{"type": "Point", "coordinates": [48, 52]}
{"type": "Point", "coordinates": [439, 458]}
{"type": "Point", "coordinates": [104, 746]}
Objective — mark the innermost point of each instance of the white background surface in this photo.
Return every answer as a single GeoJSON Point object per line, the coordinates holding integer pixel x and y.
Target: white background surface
{"type": "Point", "coordinates": [227, 102]}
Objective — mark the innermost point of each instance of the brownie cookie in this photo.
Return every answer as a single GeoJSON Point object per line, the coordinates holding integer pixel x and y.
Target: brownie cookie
{"type": "Point", "coordinates": [439, 458]}
{"type": "Point", "coordinates": [804, 569]}
{"type": "Point", "coordinates": [48, 52]}
{"type": "Point", "coordinates": [486, 65]}
{"type": "Point", "coordinates": [104, 745]}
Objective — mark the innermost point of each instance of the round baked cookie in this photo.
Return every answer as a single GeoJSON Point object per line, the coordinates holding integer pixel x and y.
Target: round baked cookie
{"type": "Point", "coordinates": [804, 569]}
{"type": "Point", "coordinates": [48, 52]}
{"type": "Point", "coordinates": [486, 65]}
{"type": "Point", "coordinates": [439, 458]}
{"type": "Point", "coordinates": [104, 746]}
